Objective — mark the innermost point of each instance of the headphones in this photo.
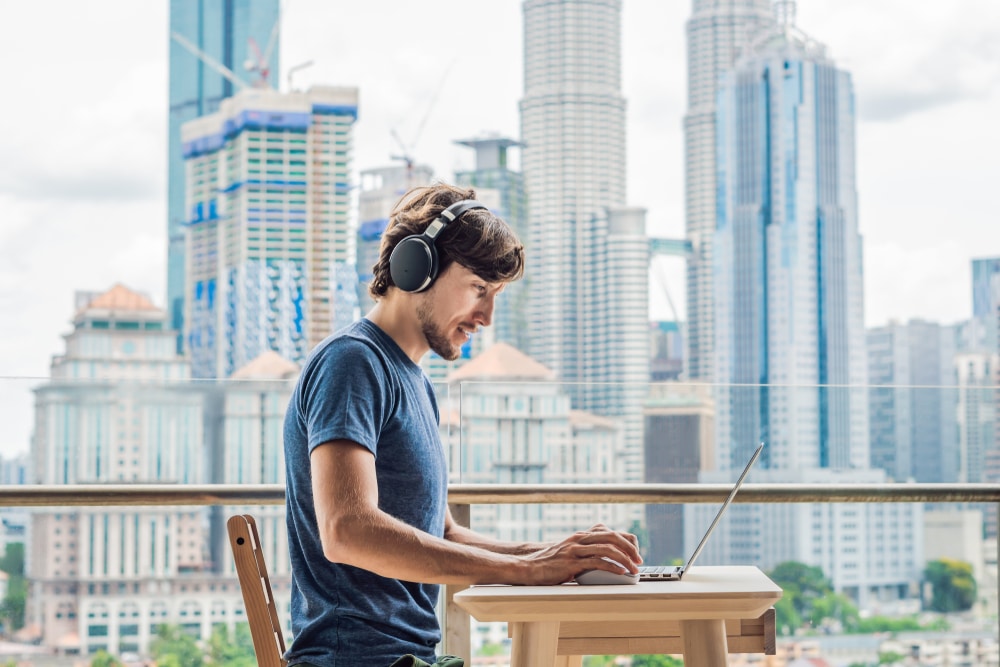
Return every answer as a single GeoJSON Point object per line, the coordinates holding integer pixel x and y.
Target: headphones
{"type": "Point", "coordinates": [413, 263]}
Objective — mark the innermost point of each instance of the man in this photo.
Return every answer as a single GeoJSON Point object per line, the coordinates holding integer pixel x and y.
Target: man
{"type": "Point", "coordinates": [370, 534]}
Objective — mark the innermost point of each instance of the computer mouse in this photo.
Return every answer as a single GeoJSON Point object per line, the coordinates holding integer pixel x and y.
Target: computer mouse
{"type": "Point", "coordinates": [604, 578]}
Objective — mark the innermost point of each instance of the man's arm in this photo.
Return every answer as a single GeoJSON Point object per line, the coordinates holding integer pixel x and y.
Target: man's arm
{"type": "Point", "coordinates": [354, 531]}
{"type": "Point", "coordinates": [453, 532]}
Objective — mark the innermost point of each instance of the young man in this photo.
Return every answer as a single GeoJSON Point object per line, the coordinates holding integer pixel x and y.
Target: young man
{"type": "Point", "coordinates": [370, 534]}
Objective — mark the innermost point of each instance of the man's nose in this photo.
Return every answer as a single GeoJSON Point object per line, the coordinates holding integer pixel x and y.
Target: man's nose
{"type": "Point", "coordinates": [486, 312]}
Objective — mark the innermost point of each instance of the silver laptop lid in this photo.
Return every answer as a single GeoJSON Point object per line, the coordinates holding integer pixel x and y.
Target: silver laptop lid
{"type": "Point", "coordinates": [725, 505]}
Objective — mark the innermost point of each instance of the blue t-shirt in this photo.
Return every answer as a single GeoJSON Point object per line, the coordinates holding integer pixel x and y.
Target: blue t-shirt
{"type": "Point", "coordinates": [358, 385]}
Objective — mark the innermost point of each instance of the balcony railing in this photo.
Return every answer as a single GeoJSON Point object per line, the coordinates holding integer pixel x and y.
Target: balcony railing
{"type": "Point", "coordinates": [463, 496]}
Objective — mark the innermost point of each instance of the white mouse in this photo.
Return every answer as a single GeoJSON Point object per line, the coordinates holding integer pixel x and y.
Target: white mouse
{"type": "Point", "coordinates": [603, 577]}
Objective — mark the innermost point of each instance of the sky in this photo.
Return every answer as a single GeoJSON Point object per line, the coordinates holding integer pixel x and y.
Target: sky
{"type": "Point", "coordinates": [84, 116]}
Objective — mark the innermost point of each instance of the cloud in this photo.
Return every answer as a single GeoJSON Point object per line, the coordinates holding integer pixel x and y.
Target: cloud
{"type": "Point", "coordinates": [909, 57]}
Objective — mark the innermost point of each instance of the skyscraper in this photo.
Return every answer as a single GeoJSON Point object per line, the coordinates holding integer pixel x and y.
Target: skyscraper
{"type": "Point", "coordinates": [269, 238]}
{"type": "Point", "coordinates": [492, 172]}
{"type": "Point", "coordinates": [790, 358]}
{"type": "Point", "coordinates": [986, 300]}
{"type": "Point", "coordinates": [227, 33]}
{"type": "Point", "coordinates": [573, 130]}
{"type": "Point", "coordinates": [912, 401]}
{"type": "Point", "coordinates": [717, 32]}
{"type": "Point", "coordinates": [588, 255]}
{"type": "Point", "coordinates": [790, 340]}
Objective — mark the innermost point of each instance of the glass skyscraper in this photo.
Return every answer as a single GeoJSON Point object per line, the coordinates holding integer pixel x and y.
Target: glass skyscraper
{"type": "Point", "coordinates": [717, 33]}
{"type": "Point", "coordinates": [588, 255]}
{"type": "Point", "coordinates": [230, 33]}
{"type": "Point", "coordinates": [789, 334]}
{"type": "Point", "coordinates": [790, 361]}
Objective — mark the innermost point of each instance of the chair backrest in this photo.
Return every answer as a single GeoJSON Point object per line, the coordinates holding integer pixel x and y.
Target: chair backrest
{"type": "Point", "coordinates": [268, 641]}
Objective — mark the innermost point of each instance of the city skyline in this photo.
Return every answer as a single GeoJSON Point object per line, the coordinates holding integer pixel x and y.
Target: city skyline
{"type": "Point", "coordinates": [92, 172]}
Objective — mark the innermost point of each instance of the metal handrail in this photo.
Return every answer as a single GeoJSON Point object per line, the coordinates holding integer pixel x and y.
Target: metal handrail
{"type": "Point", "coordinates": [109, 495]}
{"type": "Point", "coordinates": [456, 624]}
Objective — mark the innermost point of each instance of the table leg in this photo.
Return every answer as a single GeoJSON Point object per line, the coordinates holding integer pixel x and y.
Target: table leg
{"type": "Point", "coordinates": [533, 644]}
{"type": "Point", "coordinates": [705, 643]}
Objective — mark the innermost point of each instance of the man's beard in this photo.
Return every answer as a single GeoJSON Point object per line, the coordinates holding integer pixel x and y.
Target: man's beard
{"type": "Point", "coordinates": [436, 339]}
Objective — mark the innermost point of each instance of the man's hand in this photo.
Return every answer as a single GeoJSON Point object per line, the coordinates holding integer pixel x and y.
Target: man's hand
{"type": "Point", "coordinates": [585, 550]}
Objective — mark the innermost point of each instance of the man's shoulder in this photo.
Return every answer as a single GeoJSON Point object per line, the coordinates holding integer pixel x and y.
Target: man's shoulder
{"type": "Point", "coordinates": [350, 349]}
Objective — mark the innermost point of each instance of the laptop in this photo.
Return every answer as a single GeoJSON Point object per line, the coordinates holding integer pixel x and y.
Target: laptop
{"type": "Point", "coordinates": [675, 572]}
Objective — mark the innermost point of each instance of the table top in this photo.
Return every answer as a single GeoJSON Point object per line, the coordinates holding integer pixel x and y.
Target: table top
{"type": "Point", "coordinates": [703, 593]}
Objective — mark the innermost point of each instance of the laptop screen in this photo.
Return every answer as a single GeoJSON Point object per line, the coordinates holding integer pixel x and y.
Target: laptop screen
{"type": "Point", "coordinates": [725, 505]}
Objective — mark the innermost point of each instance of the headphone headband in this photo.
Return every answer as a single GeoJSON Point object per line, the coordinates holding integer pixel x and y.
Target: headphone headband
{"type": "Point", "coordinates": [413, 263]}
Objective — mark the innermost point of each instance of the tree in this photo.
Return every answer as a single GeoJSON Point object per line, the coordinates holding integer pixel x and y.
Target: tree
{"type": "Point", "coordinates": [232, 652]}
{"type": "Point", "coordinates": [803, 586]}
{"type": "Point", "coordinates": [835, 606]}
{"type": "Point", "coordinates": [175, 648]}
{"type": "Point", "coordinates": [12, 606]}
{"type": "Point", "coordinates": [104, 659]}
{"type": "Point", "coordinates": [952, 584]}
{"type": "Point", "coordinates": [656, 661]}
{"type": "Point", "coordinates": [786, 619]}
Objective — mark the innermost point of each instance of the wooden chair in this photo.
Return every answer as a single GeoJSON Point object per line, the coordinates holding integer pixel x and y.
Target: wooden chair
{"type": "Point", "coordinates": [268, 641]}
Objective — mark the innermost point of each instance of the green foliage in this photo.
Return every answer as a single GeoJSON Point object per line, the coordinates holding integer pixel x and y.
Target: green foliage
{"type": "Point", "coordinates": [175, 648]}
{"type": "Point", "coordinates": [808, 595]}
{"type": "Point", "coordinates": [104, 659]}
{"type": "Point", "coordinates": [884, 624]}
{"type": "Point", "coordinates": [890, 658]}
{"type": "Point", "coordinates": [641, 534]}
{"type": "Point", "coordinates": [598, 661]}
{"type": "Point", "coordinates": [235, 651]}
{"type": "Point", "coordinates": [12, 606]}
{"type": "Point", "coordinates": [952, 584]}
{"type": "Point", "coordinates": [492, 649]}
{"type": "Point", "coordinates": [786, 619]}
{"type": "Point", "coordinates": [836, 606]}
{"type": "Point", "coordinates": [656, 661]}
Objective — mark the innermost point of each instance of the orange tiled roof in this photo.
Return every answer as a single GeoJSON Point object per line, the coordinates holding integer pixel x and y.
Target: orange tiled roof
{"type": "Point", "coordinates": [120, 297]}
{"type": "Point", "coordinates": [268, 366]}
{"type": "Point", "coordinates": [502, 361]}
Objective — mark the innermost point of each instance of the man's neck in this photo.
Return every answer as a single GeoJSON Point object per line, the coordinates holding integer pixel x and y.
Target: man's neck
{"type": "Point", "coordinates": [394, 314]}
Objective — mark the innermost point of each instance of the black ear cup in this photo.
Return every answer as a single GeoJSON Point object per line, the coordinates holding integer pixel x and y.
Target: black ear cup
{"type": "Point", "coordinates": [413, 263]}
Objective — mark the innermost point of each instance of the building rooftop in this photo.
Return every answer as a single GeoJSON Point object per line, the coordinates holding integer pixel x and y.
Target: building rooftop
{"type": "Point", "coordinates": [268, 366]}
{"type": "Point", "coordinates": [502, 362]}
{"type": "Point", "coordinates": [118, 297]}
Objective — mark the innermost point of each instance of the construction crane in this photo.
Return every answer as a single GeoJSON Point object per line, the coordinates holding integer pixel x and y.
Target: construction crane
{"type": "Point", "coordinates": [227, 73]}
{"type": "Point", "coordinates": [406, 154]}
{"type": "Point", "coordinates": [661, 277]}
{"type": "Point", "coordinates": [260, 62]}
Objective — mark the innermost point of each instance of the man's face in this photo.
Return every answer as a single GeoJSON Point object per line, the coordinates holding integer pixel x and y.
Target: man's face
{"type": "Point", "coordinates": [455, 306]}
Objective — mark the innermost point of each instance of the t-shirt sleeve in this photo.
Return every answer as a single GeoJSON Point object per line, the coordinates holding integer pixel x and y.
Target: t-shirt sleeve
{"type": "Point", "coordinates": [346, 395]}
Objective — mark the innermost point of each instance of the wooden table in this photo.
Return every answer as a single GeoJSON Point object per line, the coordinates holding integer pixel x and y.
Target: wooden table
{"type": "Point", "coordinates": [699, 616]}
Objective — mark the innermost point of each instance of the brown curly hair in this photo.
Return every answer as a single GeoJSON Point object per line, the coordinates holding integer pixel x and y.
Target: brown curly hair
{"type": "Point", "coordinates": [479, 240]}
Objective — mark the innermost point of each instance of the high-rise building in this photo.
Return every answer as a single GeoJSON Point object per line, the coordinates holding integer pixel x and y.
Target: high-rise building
{"type": "Point", "coordinates": [209, 34]}
{"type": "Point", "coordinates": [790, 357]}
{"type": "Point", "coordinates": [976, 377]}
{"type": "Point", "coordinates": [270, 242]}
{"type": "Point", "coordinates": [116, 409]}
{"type": "Point", "coordinates": [588, 256]}
{"type": "Point", "coordinates": [717, 33]}
{"type": "Point", "coordinates": [912, 401]}
{"type": "Point", "coordinates": [573, 159]}
{"type": "Point", "coordinates": [679, 445]}
{"type": "Point", "coordinates": [493, 175]}
{"type": "Point", "coordinates": [986, 300]}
